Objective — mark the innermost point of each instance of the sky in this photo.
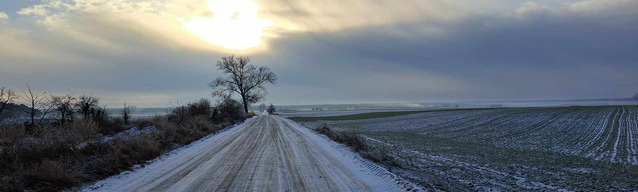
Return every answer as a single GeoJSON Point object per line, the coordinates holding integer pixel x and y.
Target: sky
{"type": "Point", "coordinates": [157, 53]}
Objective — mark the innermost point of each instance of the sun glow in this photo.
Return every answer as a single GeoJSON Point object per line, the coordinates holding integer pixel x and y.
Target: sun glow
{"type": "Point", "coordinates": [233, 25]}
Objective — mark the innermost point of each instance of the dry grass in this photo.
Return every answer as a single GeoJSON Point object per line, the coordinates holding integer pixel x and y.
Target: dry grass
{"type": "Point", "coordinates": [52, 158]}
{"type": "Point", "coordinates": [49, 176]}
{"type": "Point", "coordinates": [58, 157]}
{"type": "Point", "coordinates": [350, 139]}
{"type": "Point", "coordinates": [358, 144]}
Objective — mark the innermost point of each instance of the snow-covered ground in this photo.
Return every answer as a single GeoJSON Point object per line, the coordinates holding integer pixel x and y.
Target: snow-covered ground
{"type": "Point", "coordinates": [601, 133]}
{"type": "Point", "coordinates": [509, 149]}
{"type": "Point", "coordinates": [266, 153]}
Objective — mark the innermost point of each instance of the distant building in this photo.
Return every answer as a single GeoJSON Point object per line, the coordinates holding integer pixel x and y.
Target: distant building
{"type": "Point", "coordinates": [636, 96]}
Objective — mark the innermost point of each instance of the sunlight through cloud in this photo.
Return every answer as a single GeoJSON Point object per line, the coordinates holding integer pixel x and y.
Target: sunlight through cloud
{"type": "Point", "coordinates": [234, 24]}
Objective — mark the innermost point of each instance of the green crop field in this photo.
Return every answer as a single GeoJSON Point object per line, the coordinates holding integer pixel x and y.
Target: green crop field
{"type": "Point", "coordinates": [571, 148]}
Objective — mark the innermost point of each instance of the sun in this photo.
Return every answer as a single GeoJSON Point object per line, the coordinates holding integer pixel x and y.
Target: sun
{"type": "Point", "coordinates": [233, 25]}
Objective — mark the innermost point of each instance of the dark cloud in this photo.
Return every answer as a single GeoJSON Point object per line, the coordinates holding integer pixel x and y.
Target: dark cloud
{"type": "Point", "coordinates": [544, 56]}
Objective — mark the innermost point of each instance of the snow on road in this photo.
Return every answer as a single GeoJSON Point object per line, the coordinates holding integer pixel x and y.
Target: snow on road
{"type": "Point", "coordinates": [266, 153]}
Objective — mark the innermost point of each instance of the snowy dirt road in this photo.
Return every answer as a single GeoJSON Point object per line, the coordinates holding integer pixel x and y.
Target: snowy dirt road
{"type": "Point", "coordinates": [266, 153]}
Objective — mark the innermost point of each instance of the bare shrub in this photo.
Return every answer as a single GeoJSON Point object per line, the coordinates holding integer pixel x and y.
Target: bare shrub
{"type": "Point", "coordinates": [358, 144]}
{"type": "Point", "coordinates": [152, 121]}
{"type": "Point", "coordinates": [48, 157]}
{"type": "Point", "coordinates": [183, 134]}
{"type": "Point", "coordinates": [271, 109]}
{"type": "Point", "coordinates": [323, 128]}
{"type": "Point", "coordinates": [381, 155]}
{"type": "Point", "coordinates": [10, 133]}
{"type": "Point", "coordinates": [48, 174]}
{"type": "Point", "coordinates": [64, 107]}
{"type": "Point", "coordinates": [52, 145]}
{"type": "Point", "coordinates": [83, 130]}
{"type": "Point", "coordinates": [350, 139]}
{"type": "Point", "coordinates": [126, 113]}
{"type": "Point", "coordinates": [86, 105]}
{"type": "Point", "coordinates": [142, 147]}
{"type": "Point", "coordinates": [200, 108]}
{"type": "Point", "coordinates": [228, 110]}
{"type": "Point", "coordinates": [353, 140]}
{"type": "Point", "coordinates": [111, 161]}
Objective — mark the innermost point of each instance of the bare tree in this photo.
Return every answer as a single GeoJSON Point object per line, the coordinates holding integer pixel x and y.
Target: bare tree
{"type": "Point", "coordinates": [99, 115]}
{"type": "Point", "coordinates": [46, 106]}
{"type": "Point", "coordinates": [244, 79]}
{"type": "Point", "coordinates": [35, 101]}
{"type": "Point", "coordinates": [7, 96]}
{"type": "Point", "coordinates": [271, 109]}
{"type": "Point", "coordinates": [86, 104]}
{"type": "Point", "coordinates": [179, 112]}
{"type": "Point", "coordinates": [64, 106]}
{"type": "Point", "coordinates": [126, 113]}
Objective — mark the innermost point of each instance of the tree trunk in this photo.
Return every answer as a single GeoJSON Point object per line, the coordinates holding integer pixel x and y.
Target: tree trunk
{"type": "Point", "coordinates": [243, 98]}
{"type": "Point", "coordinates": [63, 112]}
{"type": "Point", "coordinates": [32, 116]}
{"type": "Point", "coordinates": [2, 108]}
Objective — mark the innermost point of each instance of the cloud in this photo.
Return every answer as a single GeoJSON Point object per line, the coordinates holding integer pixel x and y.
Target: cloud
{"type": "Point", "coordinates": [531, 9]}
{"type": "Point", "coordinates": [603, 7]}
{"type": "Point", "coordinates": [330, 15]}
{"type": "Point", "coordinates": [115, 27]}
{"type": "Point", "coordinates": [548, 55]}
{"type": "Point", "coordinates": [331, 51]}
{"type": "Point", "coordinates": [3, 16]}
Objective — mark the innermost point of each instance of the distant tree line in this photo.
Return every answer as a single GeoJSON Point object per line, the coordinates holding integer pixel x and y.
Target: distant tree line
{"type": "Point", "coordinates": [41, 106]}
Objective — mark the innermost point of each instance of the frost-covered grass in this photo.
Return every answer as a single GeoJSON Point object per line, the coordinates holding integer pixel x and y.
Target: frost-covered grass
{"type": "Point", "coordinates": [572, 148]}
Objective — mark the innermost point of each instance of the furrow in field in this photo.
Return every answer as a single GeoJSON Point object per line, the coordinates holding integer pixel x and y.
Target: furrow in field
{"type": "Point", "coordinates": [575, 132]}
{"type": "Point", "coordinates": [458, 130]}
{"type": "Point", "coordinates": [590, 134]}
{"type": "Point", "coordinates": [618, 140]}
{"type": "Point", "coordinates": [606, 147]}
{"type": "Point", "coordinates": [599, 130]}
{"type": "Point", "coordinates": [602, 140]}
{"type": "Point", "coordinates": [631, 129]}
